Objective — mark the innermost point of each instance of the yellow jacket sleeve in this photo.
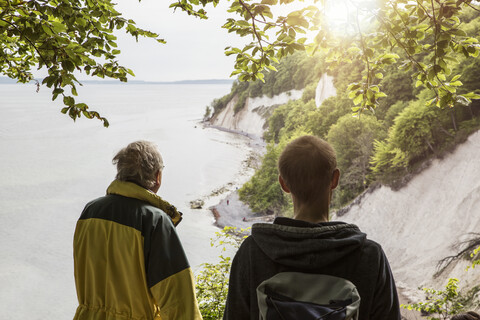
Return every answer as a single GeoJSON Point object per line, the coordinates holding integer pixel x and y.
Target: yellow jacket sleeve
{"type": "Point", "coordinates": [175, 297]}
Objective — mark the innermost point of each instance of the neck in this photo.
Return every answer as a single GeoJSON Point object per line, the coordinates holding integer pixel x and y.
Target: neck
{"type": "Point", "coordinates": [315, 212]}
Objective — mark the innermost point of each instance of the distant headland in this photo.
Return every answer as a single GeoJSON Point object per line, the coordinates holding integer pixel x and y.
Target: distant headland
{"type": "Point", "coordinates": [5, 80]}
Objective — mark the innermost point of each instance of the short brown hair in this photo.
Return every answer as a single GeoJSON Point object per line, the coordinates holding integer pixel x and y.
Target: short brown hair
{"type": "Point", "coordinates": [139, 162]}
{"type": "Point", "coordinates": [306, 165]}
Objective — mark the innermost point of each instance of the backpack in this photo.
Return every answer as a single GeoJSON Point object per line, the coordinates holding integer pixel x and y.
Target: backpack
{"type": "Point", "coordinates": [303, 296]}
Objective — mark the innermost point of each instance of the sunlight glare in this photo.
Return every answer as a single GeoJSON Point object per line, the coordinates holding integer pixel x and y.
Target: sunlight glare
{"type": "Point", "coordinates": [336, 17]}
{"type": "Point", "coordinates": [345, 17]}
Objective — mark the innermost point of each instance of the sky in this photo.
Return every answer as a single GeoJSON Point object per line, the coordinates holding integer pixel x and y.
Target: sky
{"type": "Point", "coordinates": [194, 48]}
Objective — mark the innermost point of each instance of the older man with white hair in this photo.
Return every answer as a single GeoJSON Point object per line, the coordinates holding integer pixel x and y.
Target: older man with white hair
{"type": "Point", "coordinates": [129, 262]}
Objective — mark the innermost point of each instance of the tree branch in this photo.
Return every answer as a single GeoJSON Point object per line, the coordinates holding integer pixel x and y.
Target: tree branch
{"type": "Point", "coordinates": [28, 40]}
{"type": "Point", "coordinates": [259, 39]}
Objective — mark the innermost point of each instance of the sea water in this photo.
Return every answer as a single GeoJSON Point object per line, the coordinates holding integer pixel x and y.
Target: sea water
{"type": "Point", "coordinates": [51, 167]}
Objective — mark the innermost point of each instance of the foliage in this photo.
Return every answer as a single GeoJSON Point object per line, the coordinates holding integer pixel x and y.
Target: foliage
{"type": "Point", "coordinates": [63, 36]}
{"type": "Point", "coordinates": [208, 112]}
{"type": "Point", "coordinates": [393, 111]}
{"type": "Point", "coordinates": [398, 86]}
{"type": "Point", "coordinates": [262, 192]}
{"type": "Point", "coordinates": [424, 36]}
{"type": "Point", "coordinates": [242, 99]}
{"type": "Point", "coordinates": [417, 132]}
{"type": "Point", "coordinates": [353, 138]}
{"type": "Point", "coordinates": [288, 118]}
{"type": "Point", "coordinates": [474, 255]}
{"type": "Point", "coordinates": [416, 29]}
{"type": "Point", "coordinates": [401, 27]}
{"type": "Point", "coordinates": [212, 281]}
{"type": "Point", "coordinates": [309, 92]}
{"type": "Point", "coordinates": [238, 88]}
{"type": "Point", "coordinates": [293, 72]}
{"type": "Point", "coordinates": [389, 149]}
{"type": "Point", "coordinates": [403, 33]}
{"type": "Point", "coordinates": [328, 114]}
{"type": "Point", "coordinates": [440, 304]}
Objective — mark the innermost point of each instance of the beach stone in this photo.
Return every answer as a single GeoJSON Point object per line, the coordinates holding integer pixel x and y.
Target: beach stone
{"type": "Point", "coordinates": [197, 204]}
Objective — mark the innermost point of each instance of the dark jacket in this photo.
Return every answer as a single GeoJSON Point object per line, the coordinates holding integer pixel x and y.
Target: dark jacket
{"type": "Point", "coordinates": [331, 248]}
{"type": "Point", "coordinates": [129, 262]}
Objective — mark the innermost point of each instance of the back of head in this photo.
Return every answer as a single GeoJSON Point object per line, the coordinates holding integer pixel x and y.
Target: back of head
{"type": "Point", "coordinates": [306, 165]}
{"type": "Point", "coordinates": [470, 315]}
{"type": "Point", "coordinates": [139, 162]}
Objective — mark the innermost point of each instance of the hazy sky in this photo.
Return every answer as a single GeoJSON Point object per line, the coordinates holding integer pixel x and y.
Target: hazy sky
{"type": "Point", "coordinates": [194, 48]}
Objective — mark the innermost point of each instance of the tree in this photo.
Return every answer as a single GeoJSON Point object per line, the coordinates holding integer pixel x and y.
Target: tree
{"type": "Point", "coordinates": [352, 138]}
{"type": "Point", "coordinates": [403, 32]}
{"type": "Point", "coordinates": [63, 36]}
{"type": "Point", "coordinates": [68, 35]}
{"type": "Point", "coordinates": [263, 191]}
{"type": "Point", "coordinates": [418, 131]}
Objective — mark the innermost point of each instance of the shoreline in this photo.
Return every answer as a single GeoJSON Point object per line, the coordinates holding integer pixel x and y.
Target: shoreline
{"type": "Point", "coordinates": [229, 210]}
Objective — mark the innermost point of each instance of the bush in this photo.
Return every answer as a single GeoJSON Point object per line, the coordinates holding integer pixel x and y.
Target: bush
{"type": "Point", "coordinates": [212, 281]}
{"type": "Point", "coordinates": [440, 304]}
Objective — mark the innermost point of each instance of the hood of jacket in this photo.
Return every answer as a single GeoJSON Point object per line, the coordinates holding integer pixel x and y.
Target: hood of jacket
{"type": "Point", "coordinates": [299, 244]}
{"type": "Point", "coordinates": [132, 190]}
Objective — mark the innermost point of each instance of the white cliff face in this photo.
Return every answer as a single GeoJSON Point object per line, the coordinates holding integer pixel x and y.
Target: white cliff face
{"type": "Point", "coordinates": [250, 119]}
{"type": "Point", "coordinates": [418, 225]}
{"type": "Point", "coordinates": [325, 89]}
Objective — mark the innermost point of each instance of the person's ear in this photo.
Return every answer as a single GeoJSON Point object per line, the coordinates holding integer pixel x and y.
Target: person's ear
{"type": "Point", "coordinates": [335, 179]}
{"type": "Point", "coordinates": [159, 178]}
{"type": "Point", "coordinates": [283, 184]}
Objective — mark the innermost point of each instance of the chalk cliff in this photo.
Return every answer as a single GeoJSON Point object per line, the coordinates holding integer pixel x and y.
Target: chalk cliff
{"type": "Point", "coordinates": [421, 223]}
{"type": "Point", "coordinates": [251, 119]}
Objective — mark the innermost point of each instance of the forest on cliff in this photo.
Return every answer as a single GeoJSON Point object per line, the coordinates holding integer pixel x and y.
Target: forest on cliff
{"type": "Point", "coordinates": [386, 145]}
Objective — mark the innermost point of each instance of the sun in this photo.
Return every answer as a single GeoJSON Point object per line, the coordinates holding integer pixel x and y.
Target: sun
{"type": "Point", "coordinates": [345, 17]}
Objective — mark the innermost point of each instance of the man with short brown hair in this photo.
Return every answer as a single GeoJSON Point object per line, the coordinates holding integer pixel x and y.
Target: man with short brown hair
{"type": "Point", "coordinates": [310, 243]}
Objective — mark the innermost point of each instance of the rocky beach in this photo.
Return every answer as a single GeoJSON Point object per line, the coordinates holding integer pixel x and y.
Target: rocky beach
{"type": "Point", "coordinates": [224, 202]}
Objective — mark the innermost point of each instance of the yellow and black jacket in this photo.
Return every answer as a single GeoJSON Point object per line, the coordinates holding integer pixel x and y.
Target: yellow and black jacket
{"type": "Point", "coordinates": [129, 262]}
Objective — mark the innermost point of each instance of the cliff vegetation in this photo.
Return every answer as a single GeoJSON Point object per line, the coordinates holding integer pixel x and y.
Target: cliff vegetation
{"type": "Point", "coordinates": [387, 145]}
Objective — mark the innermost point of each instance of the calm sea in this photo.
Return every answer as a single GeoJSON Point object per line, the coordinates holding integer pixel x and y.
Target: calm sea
{"type": "Point", "coordinates": [51, 166]}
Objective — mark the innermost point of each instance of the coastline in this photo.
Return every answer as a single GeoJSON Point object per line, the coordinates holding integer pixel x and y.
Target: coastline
{"type": "Point", "coordinates": [224, 203]}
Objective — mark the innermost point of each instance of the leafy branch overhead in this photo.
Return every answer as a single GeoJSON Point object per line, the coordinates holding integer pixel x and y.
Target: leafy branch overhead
{"type": "Point", "coordinates": [401, 32]}
{"type": "Point", "coordinates": [65, 36]}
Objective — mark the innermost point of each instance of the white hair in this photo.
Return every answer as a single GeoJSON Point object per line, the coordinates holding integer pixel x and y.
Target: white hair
{"type": "Point", "coordinates": [139, 162]}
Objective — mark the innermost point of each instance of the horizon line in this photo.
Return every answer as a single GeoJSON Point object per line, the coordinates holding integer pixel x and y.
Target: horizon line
{"type": "Point", "coordinates": [7, 80]}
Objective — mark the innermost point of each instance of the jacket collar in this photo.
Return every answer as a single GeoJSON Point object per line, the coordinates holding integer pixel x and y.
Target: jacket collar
{"type": "Point", "coordinates": [132, 190]}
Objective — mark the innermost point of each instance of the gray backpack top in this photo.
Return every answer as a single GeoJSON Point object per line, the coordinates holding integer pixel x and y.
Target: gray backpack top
{"type": "Point", "coordinates": [303, 296]}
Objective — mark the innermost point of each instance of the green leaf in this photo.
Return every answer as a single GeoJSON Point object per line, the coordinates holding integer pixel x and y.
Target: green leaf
{"type": "Point", "coordinates": [68, 101]}
{"type": "Point", "coordinates": [58, 27]}
{"type": "Point", "coordinates": [457, 83]}
{"type": "Point", "coordinates": [471, 95]}
{"type": "Point", "coordinates": [358, 99]}
{"type": "Point", "coordinates": [353, 87]}
{"type": "Point", "coordinates": [456, 77]}
{"type": "Point", "coordinates": [243, 23]}
{"type": "Point", "coordinates": [47, 30]}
